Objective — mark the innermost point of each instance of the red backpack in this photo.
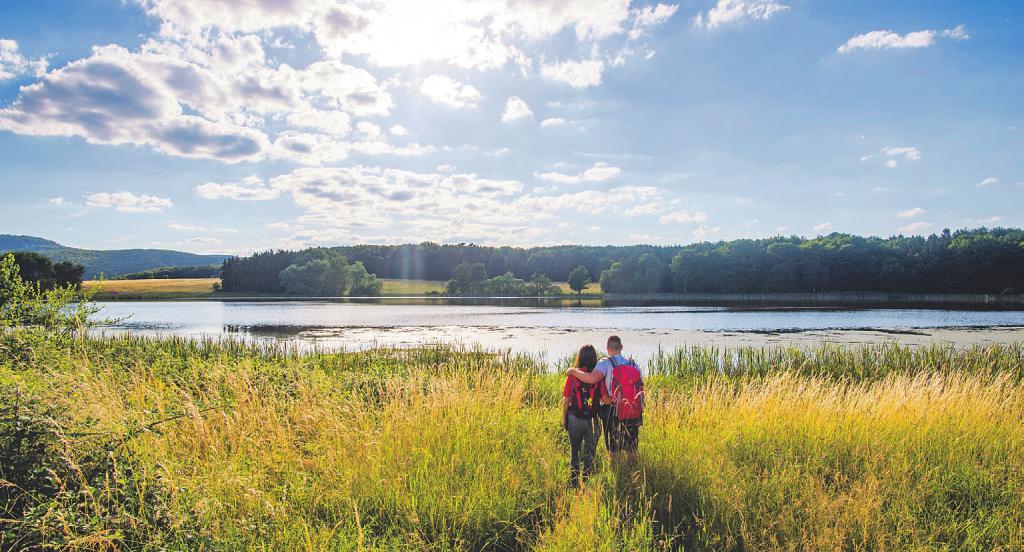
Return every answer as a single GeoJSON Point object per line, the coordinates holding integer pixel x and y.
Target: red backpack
{"type": "Point", "coordinates": [585, 398]}
{"type": "Point", "coordinates": [627, 390]}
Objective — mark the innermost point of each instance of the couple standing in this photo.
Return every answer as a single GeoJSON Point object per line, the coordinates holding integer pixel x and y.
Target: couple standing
{"type": "Point", "coordinates": [604, 394]}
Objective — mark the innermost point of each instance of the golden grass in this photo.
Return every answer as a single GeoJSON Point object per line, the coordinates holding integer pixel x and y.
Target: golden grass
{"type": "Point", "coordinates": [443, 449]}
{"type": "Point", "coordinates": [156, 286]}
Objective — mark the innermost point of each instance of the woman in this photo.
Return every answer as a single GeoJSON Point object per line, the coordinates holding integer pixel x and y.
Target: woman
{"type": "Point", "coordinates": [580, 403]}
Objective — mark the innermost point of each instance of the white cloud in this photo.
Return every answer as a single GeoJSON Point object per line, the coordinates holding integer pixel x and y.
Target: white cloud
{"type": "Point", "coordinates": [883, 40]}
{"type": "Point", "coordinates": [114, 97]}
{"type": "Point", "coordinates": [781, 229]}
{"type": "Point", "coordinates": [515, 109]}
{"type": "Point", "coordinates": [579, 74]}
{"type": "Point", "coordinates": [993, 220]}
{"type": "Point", "coordinates": [894, 153]}
{"type": "Point", "coordinates": [447, 91]}
{"type": "Point", "coordinates": [445, 168]}
{"type": "Point", "coordinates": [988, 181]}
{"type": "Point", "coordinates": [478, 35]}
{"type": "Point", "coordinates": [683, 217]}
{"type": "Point", "coordinates": [552, 122]}
{"type": "Point", "coordinates": [14, 64]}
{"type": "Point", "coordinates": [598, 173]}
{"type": "Point", "coordinates": [738, 11]}
{"type": "Point", "coordinates": [704, 231]}
{"type": "Point", "coordinates": [650, 16]}
{"type": "Point", "coordinates": [127, 202]}
{"type": "Point", "coordinates": [186, 227]}
{"type": "Point", "coordinates": [644, 209]}
{"type": "Point", "coordinates": [956, 33]}
{"type": "Point", "coordinates": [915, 228]}
{"type": "Point", "coordinates": [337, 123]}
{"type": "Point", "coordinates": [251, 188]}
{"type": "Point", "coordinates": [398, 130]}
{"type": "Point", "coordinates": [58, 201]}
{"type": "Point", "coordinates": [203, 240]}
{"type": "Point", "coordinates": [822, 228]}
{"type": "Point", "coordinates": [911, 213]}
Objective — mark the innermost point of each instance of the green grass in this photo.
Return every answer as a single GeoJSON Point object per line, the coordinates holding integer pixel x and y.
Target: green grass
{"type": "Point", "coordinates": [394, 286]}
{"type": "Point", "coordinates": [185, 444]}
{"type": "Point", "coordinates": [183, 288]}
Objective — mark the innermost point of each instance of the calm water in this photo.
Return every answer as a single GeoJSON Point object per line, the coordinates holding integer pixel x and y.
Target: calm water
{"type": "Point", "coordinates": [543, 330]}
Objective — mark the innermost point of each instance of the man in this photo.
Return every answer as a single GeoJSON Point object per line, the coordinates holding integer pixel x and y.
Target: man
{"type": "Point", "coordinates": [618, 435]}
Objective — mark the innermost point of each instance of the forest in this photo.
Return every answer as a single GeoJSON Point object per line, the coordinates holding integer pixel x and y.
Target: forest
{"type": "Point", "coordinates": [965, 261]}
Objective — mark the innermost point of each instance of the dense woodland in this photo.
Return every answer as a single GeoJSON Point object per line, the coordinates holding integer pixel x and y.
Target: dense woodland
{"type": "Point", "coordinates": [39, 269]}
{"type": "Point", "coordinates": [965, 261]}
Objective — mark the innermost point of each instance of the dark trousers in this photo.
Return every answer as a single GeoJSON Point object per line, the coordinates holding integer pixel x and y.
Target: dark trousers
{"type": "Point", "coordinates": [582, 445]}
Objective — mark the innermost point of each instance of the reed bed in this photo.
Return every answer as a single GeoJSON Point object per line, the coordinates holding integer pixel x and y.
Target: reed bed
{"type": "Point", "coordinates": [217, 444]}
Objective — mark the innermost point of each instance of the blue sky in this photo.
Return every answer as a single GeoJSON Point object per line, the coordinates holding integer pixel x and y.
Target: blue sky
{"type": "Point", "coordinates": [234, 126]}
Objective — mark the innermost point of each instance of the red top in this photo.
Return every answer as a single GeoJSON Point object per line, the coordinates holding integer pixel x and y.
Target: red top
{"type": "Point", "coordinates": [567, 392]}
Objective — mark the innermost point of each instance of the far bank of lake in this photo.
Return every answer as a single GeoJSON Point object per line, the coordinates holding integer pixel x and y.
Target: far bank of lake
{"type": "Point", "coordinates": [555, 331]}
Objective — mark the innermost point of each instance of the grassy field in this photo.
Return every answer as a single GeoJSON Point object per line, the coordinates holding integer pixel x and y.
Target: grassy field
{"type": "Point", "coordinates": [155, 288]}
{"type": "Point", "coordinates": [203, 287]}
{"type": "Point", "coordinates": [177, 444]}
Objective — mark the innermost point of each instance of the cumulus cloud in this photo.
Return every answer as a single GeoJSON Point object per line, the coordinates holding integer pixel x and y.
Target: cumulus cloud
{"type": "Point", "coordinates": [911, 213]}
{"type": "Point", "coordinates": [884, 40]}
{"type": "Point", "coordinates": [515, 109]}
{"type": "Point", "coordinates": [704, 231]}
{"type": "Point", "coordinates": [391, 204]}
{"type": "Point", "coordinates": [552, 122]}
{"type": "Point", "coordinates": [127, 202]}
{"type": "Point", "coordinates": [647, 17]}
{"type": "Point", "coordinates": [464, 33]}
{"type": "Point", "coordinates": [14, 64]}
{"type": "Point", "coordinates": [578, 74]}
{"type": "Point", "coordinates": [988, 181]}
{"type": "Point", "coordinates": [110, 98]}
{"type": "Point", "coordinates": [683, 217]}
{"type": "Point", "coordinates": [728, 12]}
{"type": "Point", "coordinates": [58, 201]}
{"type": "Point", "coordinates": [251, 188]}
{"type": "Point", "coordinates": [915, 227]}
{"type": "Point", "coordinates": [598, 173]}
{"type": "Point", "coordinates": [450, 92]}
{"type": "Point", "coordinates": [897, 153]}
{"type": "Point", "coordinates": [822, 228]}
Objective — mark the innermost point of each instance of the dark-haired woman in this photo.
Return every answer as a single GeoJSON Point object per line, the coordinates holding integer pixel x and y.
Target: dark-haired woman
{"type": "Point", "coordinates": [580, 404]}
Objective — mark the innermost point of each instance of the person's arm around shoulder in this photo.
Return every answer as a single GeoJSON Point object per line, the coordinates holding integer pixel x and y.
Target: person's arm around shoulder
{"type": "Point", "coordinates": [592, 377]}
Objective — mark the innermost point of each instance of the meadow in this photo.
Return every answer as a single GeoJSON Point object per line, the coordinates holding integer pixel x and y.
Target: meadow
{"type": "Point", "coordinates": [129, 443]}
{"type": "Point", "coordinates": [182, 288]}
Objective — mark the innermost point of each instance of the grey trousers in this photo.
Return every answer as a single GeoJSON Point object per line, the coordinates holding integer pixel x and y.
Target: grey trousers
{"type": "Point", "coordinates": [583, 445]}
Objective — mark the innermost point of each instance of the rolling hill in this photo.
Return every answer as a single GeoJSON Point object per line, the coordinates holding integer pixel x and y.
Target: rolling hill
{"type": "Point", "coordinates": [108, 262]}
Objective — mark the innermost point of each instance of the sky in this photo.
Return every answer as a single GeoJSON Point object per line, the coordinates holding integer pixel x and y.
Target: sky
{"type": "Point", "coordinates": [233, 126]}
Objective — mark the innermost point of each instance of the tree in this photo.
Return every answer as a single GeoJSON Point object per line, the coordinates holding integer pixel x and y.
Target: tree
{"type": "Point", "coordinates": [39, 269]}
{"type": "Point", "coordinates": [579, 279]}
{"type": "Point", "coordinates": [541, 286]}
{"type": "Point", "coordinates": [320, 273]}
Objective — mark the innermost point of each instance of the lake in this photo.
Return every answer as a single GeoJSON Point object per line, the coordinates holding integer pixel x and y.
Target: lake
{"type": "Point", "coordinates": [551, 331]}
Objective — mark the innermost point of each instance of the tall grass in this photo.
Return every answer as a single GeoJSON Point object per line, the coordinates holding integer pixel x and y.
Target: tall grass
{"type": "Point", "coordinates": [187, 444]}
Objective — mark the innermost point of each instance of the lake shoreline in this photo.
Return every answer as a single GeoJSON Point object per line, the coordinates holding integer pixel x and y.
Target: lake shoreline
{"type": "Point", "coordinates": [766, 301]}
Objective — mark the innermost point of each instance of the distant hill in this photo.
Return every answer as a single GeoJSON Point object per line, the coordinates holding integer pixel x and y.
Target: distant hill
{"type": "Point", "coordinates": [110, 263]}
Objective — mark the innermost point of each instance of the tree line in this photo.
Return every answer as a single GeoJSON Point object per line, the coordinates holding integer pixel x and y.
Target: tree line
{"type": "Point", "coordinates": [39, 269]}
{"type": "Point", "coordinates": [966, 261]}
{"type": "Point", "coordinates": [318, 272]}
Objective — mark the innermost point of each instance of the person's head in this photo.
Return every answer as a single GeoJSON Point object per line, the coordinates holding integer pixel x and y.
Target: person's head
{"type": "Point", "coordinates": [614, 345]}
{"type": "Point", "coordinates": [586, 359]}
